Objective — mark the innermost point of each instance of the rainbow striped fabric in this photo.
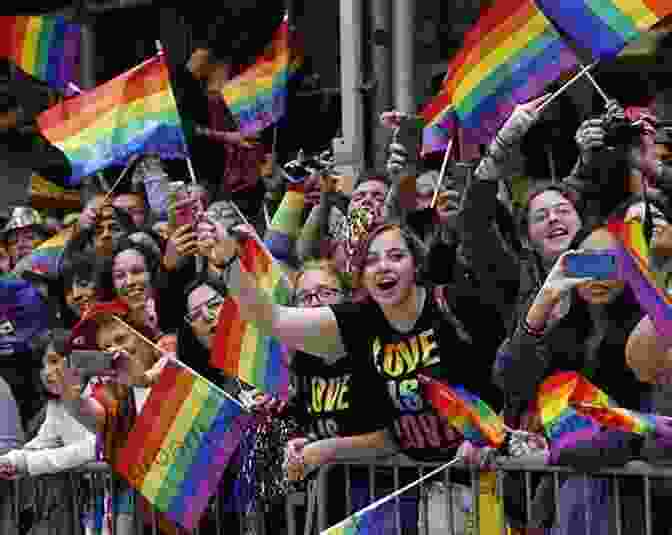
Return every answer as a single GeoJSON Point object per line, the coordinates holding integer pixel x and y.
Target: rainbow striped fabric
{"type": "Point", "coordinates": [180, 444]}
{"type": "Point", "coordinates": [133, 113]}
{"type": "Point", "coordinates": [287, 223]}
{"type": "Point", "coordinates": [604, 27]}
{"type": "Point", "coordinates": [45, 47]}
{"type": "Point", "coordinates": [466, 412]}
{"type": "Point", "coordinates": [571, 409]}
{"type": "Point", "coordinates": [258, 96]}
{"type": "Point", "coordinates": [508, 57]}
{"type": "Point", "coordinates": [46, 258]}
{"type": "Point", "coordinates": [360, 523]}
{"type": "Point", "coordinates": [239, 349]}
{"type": "Point", "coordinates": [648, 287]}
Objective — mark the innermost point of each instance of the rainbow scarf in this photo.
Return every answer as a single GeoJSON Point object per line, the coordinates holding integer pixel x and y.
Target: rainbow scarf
{"type": "Point", "coordinates": [467, 413]}
{"type": "Point", "coordinates": [648, 287]}
{"type": "Point", "coordinates": [604, 27]}
{"type": "Point", "coordinates": [286, 225]}
{"type": "Point", "coordinates": [257, 96]}
{"type": "Point", "coordinates": [46, 258]}
{"type": "Point", "coordinates": [239, 349]}
{"type": "Point", "coordinates": [180, 444]}
{"type": "Point", "coordinates": [45, 47]}
{"type": "Point", "coordinates": [572, 409]}
{"type": "Point", "coordinates": [508, 57]}
{"type": "Point", "coordinates": [132, 113]}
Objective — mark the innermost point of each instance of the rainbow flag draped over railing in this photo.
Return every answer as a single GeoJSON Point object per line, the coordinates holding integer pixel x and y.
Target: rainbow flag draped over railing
{"type": "Point", "coordinates": [605, 27]}
{"type": "Point", "coordinates": [571, 409]}
{"type": "Point", "coordinates": [648, 287]}
{"type": "Point", "coordinates": [258, 96]}
{"type": "Point", "coordinates": [181, 443]}
{"type": "Point", "coordinates": [45, 47]}
{"type": "Point", "coordinates": [466, 412]}
{"type": "Point", "coordinates": [132, 113]}
{"type": "Point", "coordinates": [508, 57]}
{"type": "Point", "coordinates": [239, 349]}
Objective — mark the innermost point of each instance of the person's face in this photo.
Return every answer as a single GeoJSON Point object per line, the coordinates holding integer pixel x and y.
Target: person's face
{"type": "Point", "coordinates": [134, 204]}
{"type": "Point", "coordinates": [369, 195]}
{"type": "Point", "coordinates": [20, 243]}
{"type": "Point", "coordinates": [81, 295]}
{"type": "Point", "coordinates": [318, 287]}
{"type": "Point", "coordinates": [199, 63]}
{"type": "Point", "coordinates": [389, 269]}
{"type": "Point", "coordinates": [108, 232]}
{"type": "Point", "coordinates": [600, 292]}
{"type": "Point", "coordinates": [5, 264]}
{"type": "Point", "coordinates": [204, 305]}
{"type": "Point", "coordinates": [553, 224]}
{"type": "Point", "coordinates": [131, 279]}
{"type": "Point", "coordinates": [114, 336]}
{"type": "Point", "coordinates": [53, 365]}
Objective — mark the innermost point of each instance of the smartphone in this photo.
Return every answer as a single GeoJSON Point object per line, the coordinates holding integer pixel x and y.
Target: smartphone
{"type": "Point", "coordinates": [600, 266]}
{"type": "Point", "coordinates": [92, 362]}
{"type": "Point", "coordinates": [180, 212]}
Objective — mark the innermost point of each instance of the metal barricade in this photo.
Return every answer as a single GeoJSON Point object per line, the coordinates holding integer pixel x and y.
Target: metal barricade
{"type": "Point", "coordinates": [522, 496]}
{"type": "Point", "coordinates": [67, 502]}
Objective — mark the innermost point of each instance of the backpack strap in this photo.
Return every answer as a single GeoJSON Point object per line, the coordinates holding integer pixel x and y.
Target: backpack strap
{"type": "Point", "coordinates": [439, 293]}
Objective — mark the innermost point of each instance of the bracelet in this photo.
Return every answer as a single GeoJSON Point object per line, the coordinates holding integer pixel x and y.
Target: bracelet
{"type": "Point", "coordinates": [536, 333]}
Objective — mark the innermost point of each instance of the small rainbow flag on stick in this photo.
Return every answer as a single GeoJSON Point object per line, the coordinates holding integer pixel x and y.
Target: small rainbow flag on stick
{"type": "Point", "coordinates": [46, 258]}
{"type": "Point", "coordinates": [467, 413]}
{"type": "Point", "coordinates": [648, 287]}
{"type": "Point", "coordinates": [181, 443]}
{"type": "Point", "coordinates": [45, 47]}
{"type": "Point", "coordinates": [572, 408]}
{"type": "Point", "coordinates": [605, 26]}
{"type": "Point", "coordinates": [287, 223]}
{"type": "Point", "coordinates": [508, 57]}
{"type": "Point", "coordinates": [132, 113]}
{"type": "Point", "coordinates": [258, 96]}
{"type": "Point", "coordinates": [239, 349]}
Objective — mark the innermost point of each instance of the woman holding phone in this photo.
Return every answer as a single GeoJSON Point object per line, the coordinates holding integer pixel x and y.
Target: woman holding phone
{"type": "Point", "coordinates": [578, 323]}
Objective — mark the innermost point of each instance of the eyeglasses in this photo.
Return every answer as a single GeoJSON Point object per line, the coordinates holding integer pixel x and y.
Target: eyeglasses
{"type": "Point", "coordinates": [211, 306]}
{"type": "Point", "coordinates": [321, 294]}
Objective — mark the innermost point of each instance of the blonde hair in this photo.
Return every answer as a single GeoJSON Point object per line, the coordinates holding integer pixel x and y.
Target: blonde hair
{"type": "Point", "coordinates": [327, 266]}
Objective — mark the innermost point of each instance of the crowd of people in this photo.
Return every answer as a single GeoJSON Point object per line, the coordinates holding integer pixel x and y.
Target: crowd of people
{"type": "Point", "coordinates": [471, 289]}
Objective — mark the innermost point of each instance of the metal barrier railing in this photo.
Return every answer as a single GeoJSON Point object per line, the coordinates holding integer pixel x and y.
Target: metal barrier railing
{"type": "Point", "coordinates": [622, 501]}
{"type": "Point", "coordinates": [459, 501]}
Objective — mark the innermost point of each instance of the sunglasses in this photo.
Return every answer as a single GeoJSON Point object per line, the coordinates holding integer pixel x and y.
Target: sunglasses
{"type": "Point", "coordinates": [211, 306]}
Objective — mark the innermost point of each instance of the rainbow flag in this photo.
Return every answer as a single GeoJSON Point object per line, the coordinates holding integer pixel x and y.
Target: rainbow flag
{"type": "Point", "coordinates": [239, 349]}
{"type": "Point", "coordinates": [287, 223]}
{"type": "Point", "coordinates": [571, 409]}
{"type": "Point", "coordinates": [46, 258]}
{"type": "Point", "coordinates": [604, 27]}
{"type": "Point", "coordinates": [438, 132]}
{"type": "Point", "coordinates": [45, 47]}
{"type": "Point", "coordinates": [648, 287]}
{"type": "Point", "coordinates": [360, 523]}
{"type": "Point", "coordinates": [466, 412]}
{"type": "Point", "coordinates": [181, 443]}
{"type": "Point", "coordinates": [132, 113]}
{"type": "Point", "coordinates": [508, 57]}
{"type": "Point", "coordinates": [258, 96]}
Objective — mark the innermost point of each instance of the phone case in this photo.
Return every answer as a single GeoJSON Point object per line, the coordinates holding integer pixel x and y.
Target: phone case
{"type": "Point", "coordinates": [595, 266]}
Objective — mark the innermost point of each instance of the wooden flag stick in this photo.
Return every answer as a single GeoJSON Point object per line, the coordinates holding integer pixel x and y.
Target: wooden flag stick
{"type": "Point", "coordinates": [177, 361]}
{"type": "Point", "coordinates": [442, 174]}
{"type": "Point", "coordinates": [566, 85]}
{"type": "Point", "coordinates": [131, 161]}
{"type": "Point", "coordinates": [601, 91]}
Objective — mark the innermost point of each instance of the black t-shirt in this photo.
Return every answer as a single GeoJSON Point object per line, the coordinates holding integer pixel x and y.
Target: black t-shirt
{"type": "Point", "coordinates": [432, 347]}
{"type": "Point", "coordinates": [340, 399]}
